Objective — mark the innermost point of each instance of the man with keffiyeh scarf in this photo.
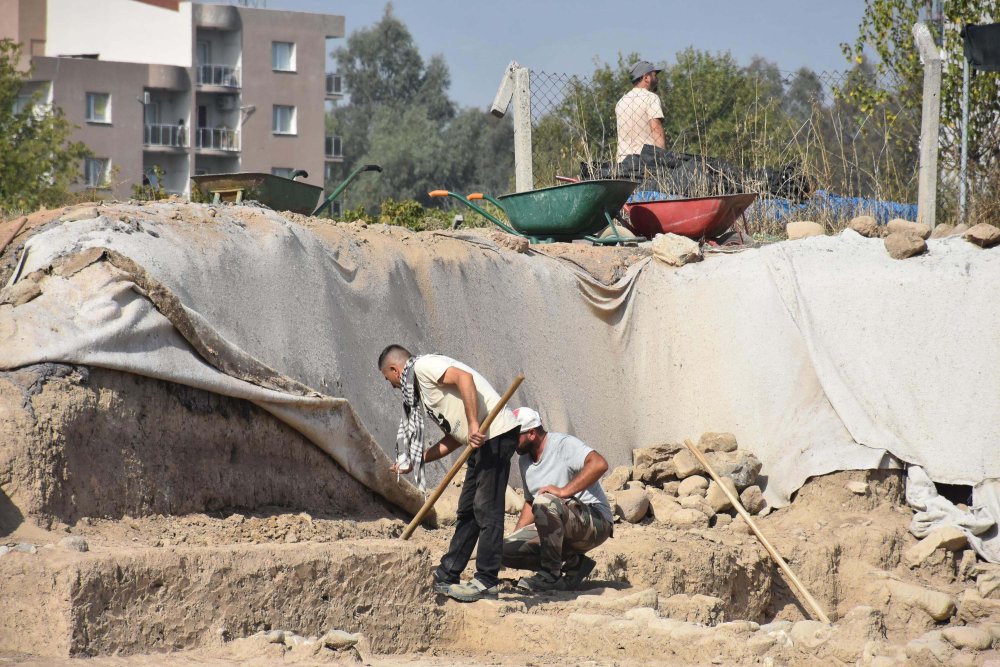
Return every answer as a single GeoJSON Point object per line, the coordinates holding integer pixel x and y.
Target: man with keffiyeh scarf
{"type": "Point", "coordinates": [458, 399]}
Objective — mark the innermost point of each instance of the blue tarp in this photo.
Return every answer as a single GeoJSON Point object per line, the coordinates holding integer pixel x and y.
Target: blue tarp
{"type": "Point", "coordinates": [836, 205]}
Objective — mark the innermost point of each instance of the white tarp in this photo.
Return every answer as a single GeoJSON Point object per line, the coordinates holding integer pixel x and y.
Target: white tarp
{"type": "Point", "coordinates": [820, 355]}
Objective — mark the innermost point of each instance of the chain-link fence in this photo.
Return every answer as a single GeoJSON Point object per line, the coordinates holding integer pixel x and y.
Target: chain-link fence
{"type": "Point", "coordinates": [823, 146]}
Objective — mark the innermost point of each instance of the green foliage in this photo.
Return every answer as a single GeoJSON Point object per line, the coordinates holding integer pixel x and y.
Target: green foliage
{"type": "Point", "coordinates": [885, 40]}
{"type": "Point", "coordinates": [153, 191]}
{"type": "Point", "coordinates": [401, 118]}
{"type": "Point", "coordinates": [37, 161]}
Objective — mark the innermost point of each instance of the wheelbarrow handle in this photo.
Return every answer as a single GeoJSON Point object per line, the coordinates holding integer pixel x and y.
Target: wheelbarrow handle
{"type": "Point", "coordinates": [340, 188]}
{"type": "Point", "coordinates": [465, 200]}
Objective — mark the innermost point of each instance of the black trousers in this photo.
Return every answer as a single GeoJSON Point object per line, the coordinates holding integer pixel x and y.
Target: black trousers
{"type": "Point", "coordinates": [480, 512]}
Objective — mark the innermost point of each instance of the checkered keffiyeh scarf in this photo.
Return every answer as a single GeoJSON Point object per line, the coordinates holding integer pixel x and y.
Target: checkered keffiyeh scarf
{"type": "Point", "coordinates": [410, 436]}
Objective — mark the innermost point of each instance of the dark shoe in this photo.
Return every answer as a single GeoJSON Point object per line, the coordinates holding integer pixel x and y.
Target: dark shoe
{"type": "Point", "coordinates": [472, 590]}
{"type": "Point", "coordinates": [539, 582]}
{"type": "Point", "coordinates": [441, 586]}
{"type": "Point", "coordinates": [578, 569]}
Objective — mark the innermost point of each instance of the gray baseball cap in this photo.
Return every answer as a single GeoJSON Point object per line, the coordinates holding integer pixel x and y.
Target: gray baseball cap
{"type": "Point", "coordinates": [642, 68]}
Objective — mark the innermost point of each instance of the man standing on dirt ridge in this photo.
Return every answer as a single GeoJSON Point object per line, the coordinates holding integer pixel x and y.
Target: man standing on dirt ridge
{"type": "Point", "coordinates": [639, 114]}
{"type": "Point", "coordinates": [565, 513]}
{"type": "Point", "coordinates": [458, 399]}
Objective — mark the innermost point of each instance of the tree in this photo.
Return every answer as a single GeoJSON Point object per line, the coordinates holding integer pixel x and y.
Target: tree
{"type": "Point", "coordinates": [37, 162]}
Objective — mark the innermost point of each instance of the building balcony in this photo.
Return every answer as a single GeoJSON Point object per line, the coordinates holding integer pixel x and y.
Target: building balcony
{"type": "Point", "coordinates": [219, 76]}
{"type": "Point", "coordinates": [158, 136]}
{"type": "Point", "coordinates": [334, 86]}
{"type": "Point", "coordinates": [218, 139]}
{"type": "Point", "coordinates": [334, 149]}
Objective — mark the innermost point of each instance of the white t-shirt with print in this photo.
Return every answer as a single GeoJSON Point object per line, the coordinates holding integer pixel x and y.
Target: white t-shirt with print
{"type": "Point", "coordinates": [633, 113]}
{"type": "Point", "coordinates": [562, 460]}
{"type": "Point", "coordinates": [446, 402]}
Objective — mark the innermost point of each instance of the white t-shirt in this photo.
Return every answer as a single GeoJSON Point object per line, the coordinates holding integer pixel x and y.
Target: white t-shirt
{"type": "Point", "coordinates": [562, 460]}
{"type": "Point", "coordinates": [446, 403]}
{"type": "Point", "coordinates": [633, 113]}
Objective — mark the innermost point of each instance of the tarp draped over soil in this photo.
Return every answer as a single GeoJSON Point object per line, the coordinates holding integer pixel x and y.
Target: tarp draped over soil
{"type": "Point", "coordinates": [820, 355]}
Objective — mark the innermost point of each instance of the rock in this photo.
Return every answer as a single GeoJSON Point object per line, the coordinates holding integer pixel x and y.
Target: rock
{"type": "Point", "coordinates": [644, 598]}
{"type": "Point", "coordinates": [337, 640]}
{"type": "Point", "coordinates": [615, 480]}
{"type": "Point", "coordinates": [697, 503]}
{"type": "Point", "coordinates": [960, 229]}
{"type": "Point", "coordinates": [635, 484]}
{"type": "Point", "coordinates": [693, 485]}
{"type": "Point", "coordinates": [671, 488]}
{"type": "Point", "coordinates": [717, 442]}
{"type": "Point", "coordinates": [967, 564]}
{"type": "Point", "coordinates": [907, 227]}
{"type": "Point", "coordinates": [983, 235]}
{"type": "Point", "coordinates": [988, 585]}
{"type": "Point", "coordinates": [685, 464]}
{"type": "Point", "coordinates": [968, 637]}
{"type": "Point", "coordinates": [74, 543]}
{"type": "Point", "coordinates": [739, 466]}
{"type": "Point", "coordinates": [855, 634]}
{"type": "Point", "coordinates": [901, 245]}
{"type": "Point", "coordinates": [509, 241]}
{"type": "Point", "coordinates": [810, 634]}
{"type": "Point", "coordinates": [675, 250]}
{"type": "Point", "coordinates": [275, 637]}
{"type": "Point", "coordinates": [943, 231]}
{"type": "Point", "coordinates": [722, 520]}
{"type": "Point", "coordinates": [803, 229]}
{"type": "Point", "coordinates": [513, 503]}
{"type": "Point", "coordinates": [945, 537]}
{"type": "Point", "coordinates": [858, 487]}
{"type": "Point", "coordinates": [20, 292]}
{"type": "Point", "coordinates": [703, 609]}
{"type": "Point", "coordinates": [973, 608]}
{"type": "Point", "coordinates": [939, 606]}
{"type": "Point", "coordinates": [865, 225]}
{"type": "Point", "coordinates": [654, 465]}
{"type": "Point", "coordinates": [752, 499]}
{"type": "Point", "coordinates": [25, 548]}
{"type": "Point", "coordinates": [739, 526]}
{"type": "Point", "coordinates": [82, 213]}
{"type": "Point", "coordinates": [632, 505]}
{"type": "Point", "coordinates": [689, 518]}
{"type": "Point", "coordinates": [662, 505]}
{"type": "Point", "coordinates": [717, 498]}
{"type": "Point", "coordinates": [929, 649]}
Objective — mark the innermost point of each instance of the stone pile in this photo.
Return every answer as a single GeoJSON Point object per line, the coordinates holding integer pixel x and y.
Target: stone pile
{"type": "Point", "coordinates": [668, 484]}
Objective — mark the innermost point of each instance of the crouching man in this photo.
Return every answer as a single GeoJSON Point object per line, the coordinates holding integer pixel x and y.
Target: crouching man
{"type": "Point", "coordinates": [565, 513]}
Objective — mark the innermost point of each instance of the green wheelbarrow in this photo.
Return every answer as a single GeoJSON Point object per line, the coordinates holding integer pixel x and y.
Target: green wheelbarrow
{"type": "Point", "coordinates": [566, 212]}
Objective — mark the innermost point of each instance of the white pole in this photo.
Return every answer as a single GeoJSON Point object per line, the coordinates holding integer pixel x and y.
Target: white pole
{"type": "Point", "coordinates": [523, 175]}
{"type": "Point", "coordinates": [963, 173]}
{"type": "Point", "coordinates": [929, 125]}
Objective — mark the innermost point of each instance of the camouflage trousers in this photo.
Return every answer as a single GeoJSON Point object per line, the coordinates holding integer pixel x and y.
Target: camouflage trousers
{"type": "Point", "coordinates": [563, 530]}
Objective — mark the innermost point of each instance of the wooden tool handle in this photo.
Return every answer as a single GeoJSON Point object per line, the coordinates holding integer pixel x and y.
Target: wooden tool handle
{"type": "Point", "coordinates": [782, 565]}
{"type": "Point", "coordinates": [460, 461]}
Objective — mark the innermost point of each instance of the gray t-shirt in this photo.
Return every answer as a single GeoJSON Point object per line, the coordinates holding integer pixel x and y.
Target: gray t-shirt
{"type": "Point", "coordinates": [562, 460]}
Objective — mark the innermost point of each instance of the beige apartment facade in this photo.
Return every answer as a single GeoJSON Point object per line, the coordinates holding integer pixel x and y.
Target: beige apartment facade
{"type": "Point", "coordinates": [226, 89]}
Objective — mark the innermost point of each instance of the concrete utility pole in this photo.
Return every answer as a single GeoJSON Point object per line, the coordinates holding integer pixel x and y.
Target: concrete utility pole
{"type": "Point", "coordinates": [516, 86]}
{"type": "Point", "coordinates": [929, 125]}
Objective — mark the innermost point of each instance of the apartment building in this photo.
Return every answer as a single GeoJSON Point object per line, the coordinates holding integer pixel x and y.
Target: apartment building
{"type": "Point", "coordinates": [186, 87]}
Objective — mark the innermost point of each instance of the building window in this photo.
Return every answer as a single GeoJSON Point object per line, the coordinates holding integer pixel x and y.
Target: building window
{"type": "Point", "coordinates": [98, 107]}
{"type": "Point", "coordinates": [284, 120]}
{"type": "Point", "coordinates": [284, 172]}
{"type": "Point", "coordinates": [96, 171]}
{"type": "Point", "coordinates": [283, 56]}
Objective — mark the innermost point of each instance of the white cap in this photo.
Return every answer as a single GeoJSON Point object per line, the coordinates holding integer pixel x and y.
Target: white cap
{"type": "Point", "coordinates": [527, 418]}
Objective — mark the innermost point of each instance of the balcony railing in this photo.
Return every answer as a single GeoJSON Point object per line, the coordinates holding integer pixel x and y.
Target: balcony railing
{"type": "Point", "coordinates": [224, 76]}
{"type": "Point", "coordinates": [175, 136]}
{"type": "Point", "coordinates": [334, 84]}
{"type": "Point", "coordinates": [334, 147]}
{"type": "Point", "coordinates": [217, 139]}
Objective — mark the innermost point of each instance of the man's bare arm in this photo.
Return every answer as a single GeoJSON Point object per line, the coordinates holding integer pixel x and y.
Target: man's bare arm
{"type": "Point", "coordinates": [470, 398]}
{"type": "Point", "coordinates": [442, 449]}
{"type": "Point", "coordinates": [594, 466]}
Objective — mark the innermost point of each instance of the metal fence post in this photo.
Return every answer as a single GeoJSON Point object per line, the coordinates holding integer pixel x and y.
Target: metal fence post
{"type": "Point", "coordinates": [523, 174]}
{"type": "Point", "coordinates": [929, 125]}
{"type": "Point", "coordinates": [963, 173]}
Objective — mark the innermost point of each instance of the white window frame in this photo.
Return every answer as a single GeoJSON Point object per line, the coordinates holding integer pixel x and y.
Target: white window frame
{"type": "Point", "coordinates": [277, 66]}
{"type": "Point", "coordinates": [276, 126]}
{"type": "Point", "coordinates": [90, 114]}
{"type": "Point", "coordinates": [105, 169]}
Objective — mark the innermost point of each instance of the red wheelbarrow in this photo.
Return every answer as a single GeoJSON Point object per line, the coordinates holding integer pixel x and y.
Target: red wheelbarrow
{"type": "Point", "coordinates": [696, 218]}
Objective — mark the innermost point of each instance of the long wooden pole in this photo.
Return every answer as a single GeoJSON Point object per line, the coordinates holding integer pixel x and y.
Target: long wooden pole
{"type": "Point", "coordinates": [460, 461]}
{"type": "Point", "coordinates": [782, 565]}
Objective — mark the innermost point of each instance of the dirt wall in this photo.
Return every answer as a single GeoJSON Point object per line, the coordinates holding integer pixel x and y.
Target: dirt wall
{"type": "Point", "coordinates": [78, 442]}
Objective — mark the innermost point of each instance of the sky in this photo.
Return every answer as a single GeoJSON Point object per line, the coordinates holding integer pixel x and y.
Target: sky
{"type": "Point", "coordinates": [479, 39]}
